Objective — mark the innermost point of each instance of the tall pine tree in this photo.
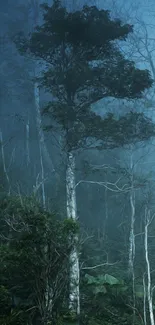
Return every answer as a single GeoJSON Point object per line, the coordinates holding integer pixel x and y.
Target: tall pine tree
{"type": "Point", "coordinates": [84, 65]}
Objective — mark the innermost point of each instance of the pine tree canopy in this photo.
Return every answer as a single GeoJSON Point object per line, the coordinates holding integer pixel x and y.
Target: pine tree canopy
{"type": "Point", "coordinates": [84, 65]}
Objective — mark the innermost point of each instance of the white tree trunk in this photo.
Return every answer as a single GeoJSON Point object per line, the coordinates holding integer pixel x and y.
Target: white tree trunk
{"type": "Point", "coordinates": [41, 139]}
{"type": "Point", "coordinates": [144, 301]}
{"type": "Point", "coordinates": [132, 234]}
{"type": "Point", "coordinates": [74, 296]}
{"type": "Point", "coordinates": [44, 154]}
{"type": "Point", "coordinates": [28, 142]}
{"type": "Point", "coordinates": [35, 6]}
{"type": "Point", "coordinates": [132, 224]}
{"type": "Point", "coordinates": [149, 287]}
{"type": "Point", "coordinates": [4, 163]}
{"type": "Point", "coordinates": [106, 210]}
{"type": "Point", "coordinates": [42, 146]}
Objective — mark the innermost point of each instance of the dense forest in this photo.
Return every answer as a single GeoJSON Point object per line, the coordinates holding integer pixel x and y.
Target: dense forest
{"type": "Point", "coordinates": [77, 130]}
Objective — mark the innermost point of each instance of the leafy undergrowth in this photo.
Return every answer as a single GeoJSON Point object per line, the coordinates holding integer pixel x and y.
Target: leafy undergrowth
{"type": "Point", "coordinates": [107, 300]}
{"type": "Point", "coordinates": [34, 251]}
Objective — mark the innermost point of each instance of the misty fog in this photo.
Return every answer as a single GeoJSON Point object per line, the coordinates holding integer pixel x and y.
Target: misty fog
{"type": "Point", "coordinates": [77, 143]}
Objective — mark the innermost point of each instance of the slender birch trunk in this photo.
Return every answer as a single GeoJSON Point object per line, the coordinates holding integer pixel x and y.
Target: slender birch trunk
{"type": "Point", "coordinates": [144, 301]}
{"type": "Point", "coordinates": [44, 154]}
{"type": "Point", "coordinates": [4, 163]}
{"type": "Point", "coordinates": [41, 142]}
{"type": "Point", "coordinates": [38, 115]}
{"type": "Point", "coordinates": [149, 286]}
{"type": "Point", "coordinates": [132, 224]}
{"type": "Point", "coordinates": [106, 210]}
{"type": "Point", "coordinates": [74, 295]}
{"type": "Point", "coordinates": [28, 143]}
{"type": "Point", "coordinates": [132, 234]}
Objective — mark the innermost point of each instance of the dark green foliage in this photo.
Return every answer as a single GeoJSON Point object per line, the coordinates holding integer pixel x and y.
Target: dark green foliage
{"type": "Point", "coordinates": [84, 65]}
{"type": "Point", "coordinates": [34, 251]}
{"type": "Point", "coordinates": [70, 42]}
{"type": "Point", "coordinates": [107, 298]}
{"type": "Point", "coordinates": [106, 290]}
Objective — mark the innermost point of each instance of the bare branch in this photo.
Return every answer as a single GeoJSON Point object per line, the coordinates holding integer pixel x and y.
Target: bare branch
{"type": "Point", "coordinates": [99, 265]}
{"type": "Point", "coordinates": [111, 186]}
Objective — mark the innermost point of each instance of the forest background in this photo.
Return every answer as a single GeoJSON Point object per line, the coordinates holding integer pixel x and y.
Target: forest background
{"type": "Point", "coordinates": [109, 242]}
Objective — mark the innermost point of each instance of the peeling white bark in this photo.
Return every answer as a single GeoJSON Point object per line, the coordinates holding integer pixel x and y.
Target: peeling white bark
{"type": "Point", "coordinates": [132, 205]}
{"type": "Point", "coordinates": [132, 234]}
{"type": "Point", "coordinates": [74, 296]}
{"type": "Point", "coordinates": [149, 286]}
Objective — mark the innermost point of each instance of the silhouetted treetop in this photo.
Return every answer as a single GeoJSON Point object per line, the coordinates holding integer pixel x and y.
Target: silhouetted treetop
{"type": "Point", "coordinates": [84, 65]}
{"type": "Point", "coordinates": [81, 49]}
